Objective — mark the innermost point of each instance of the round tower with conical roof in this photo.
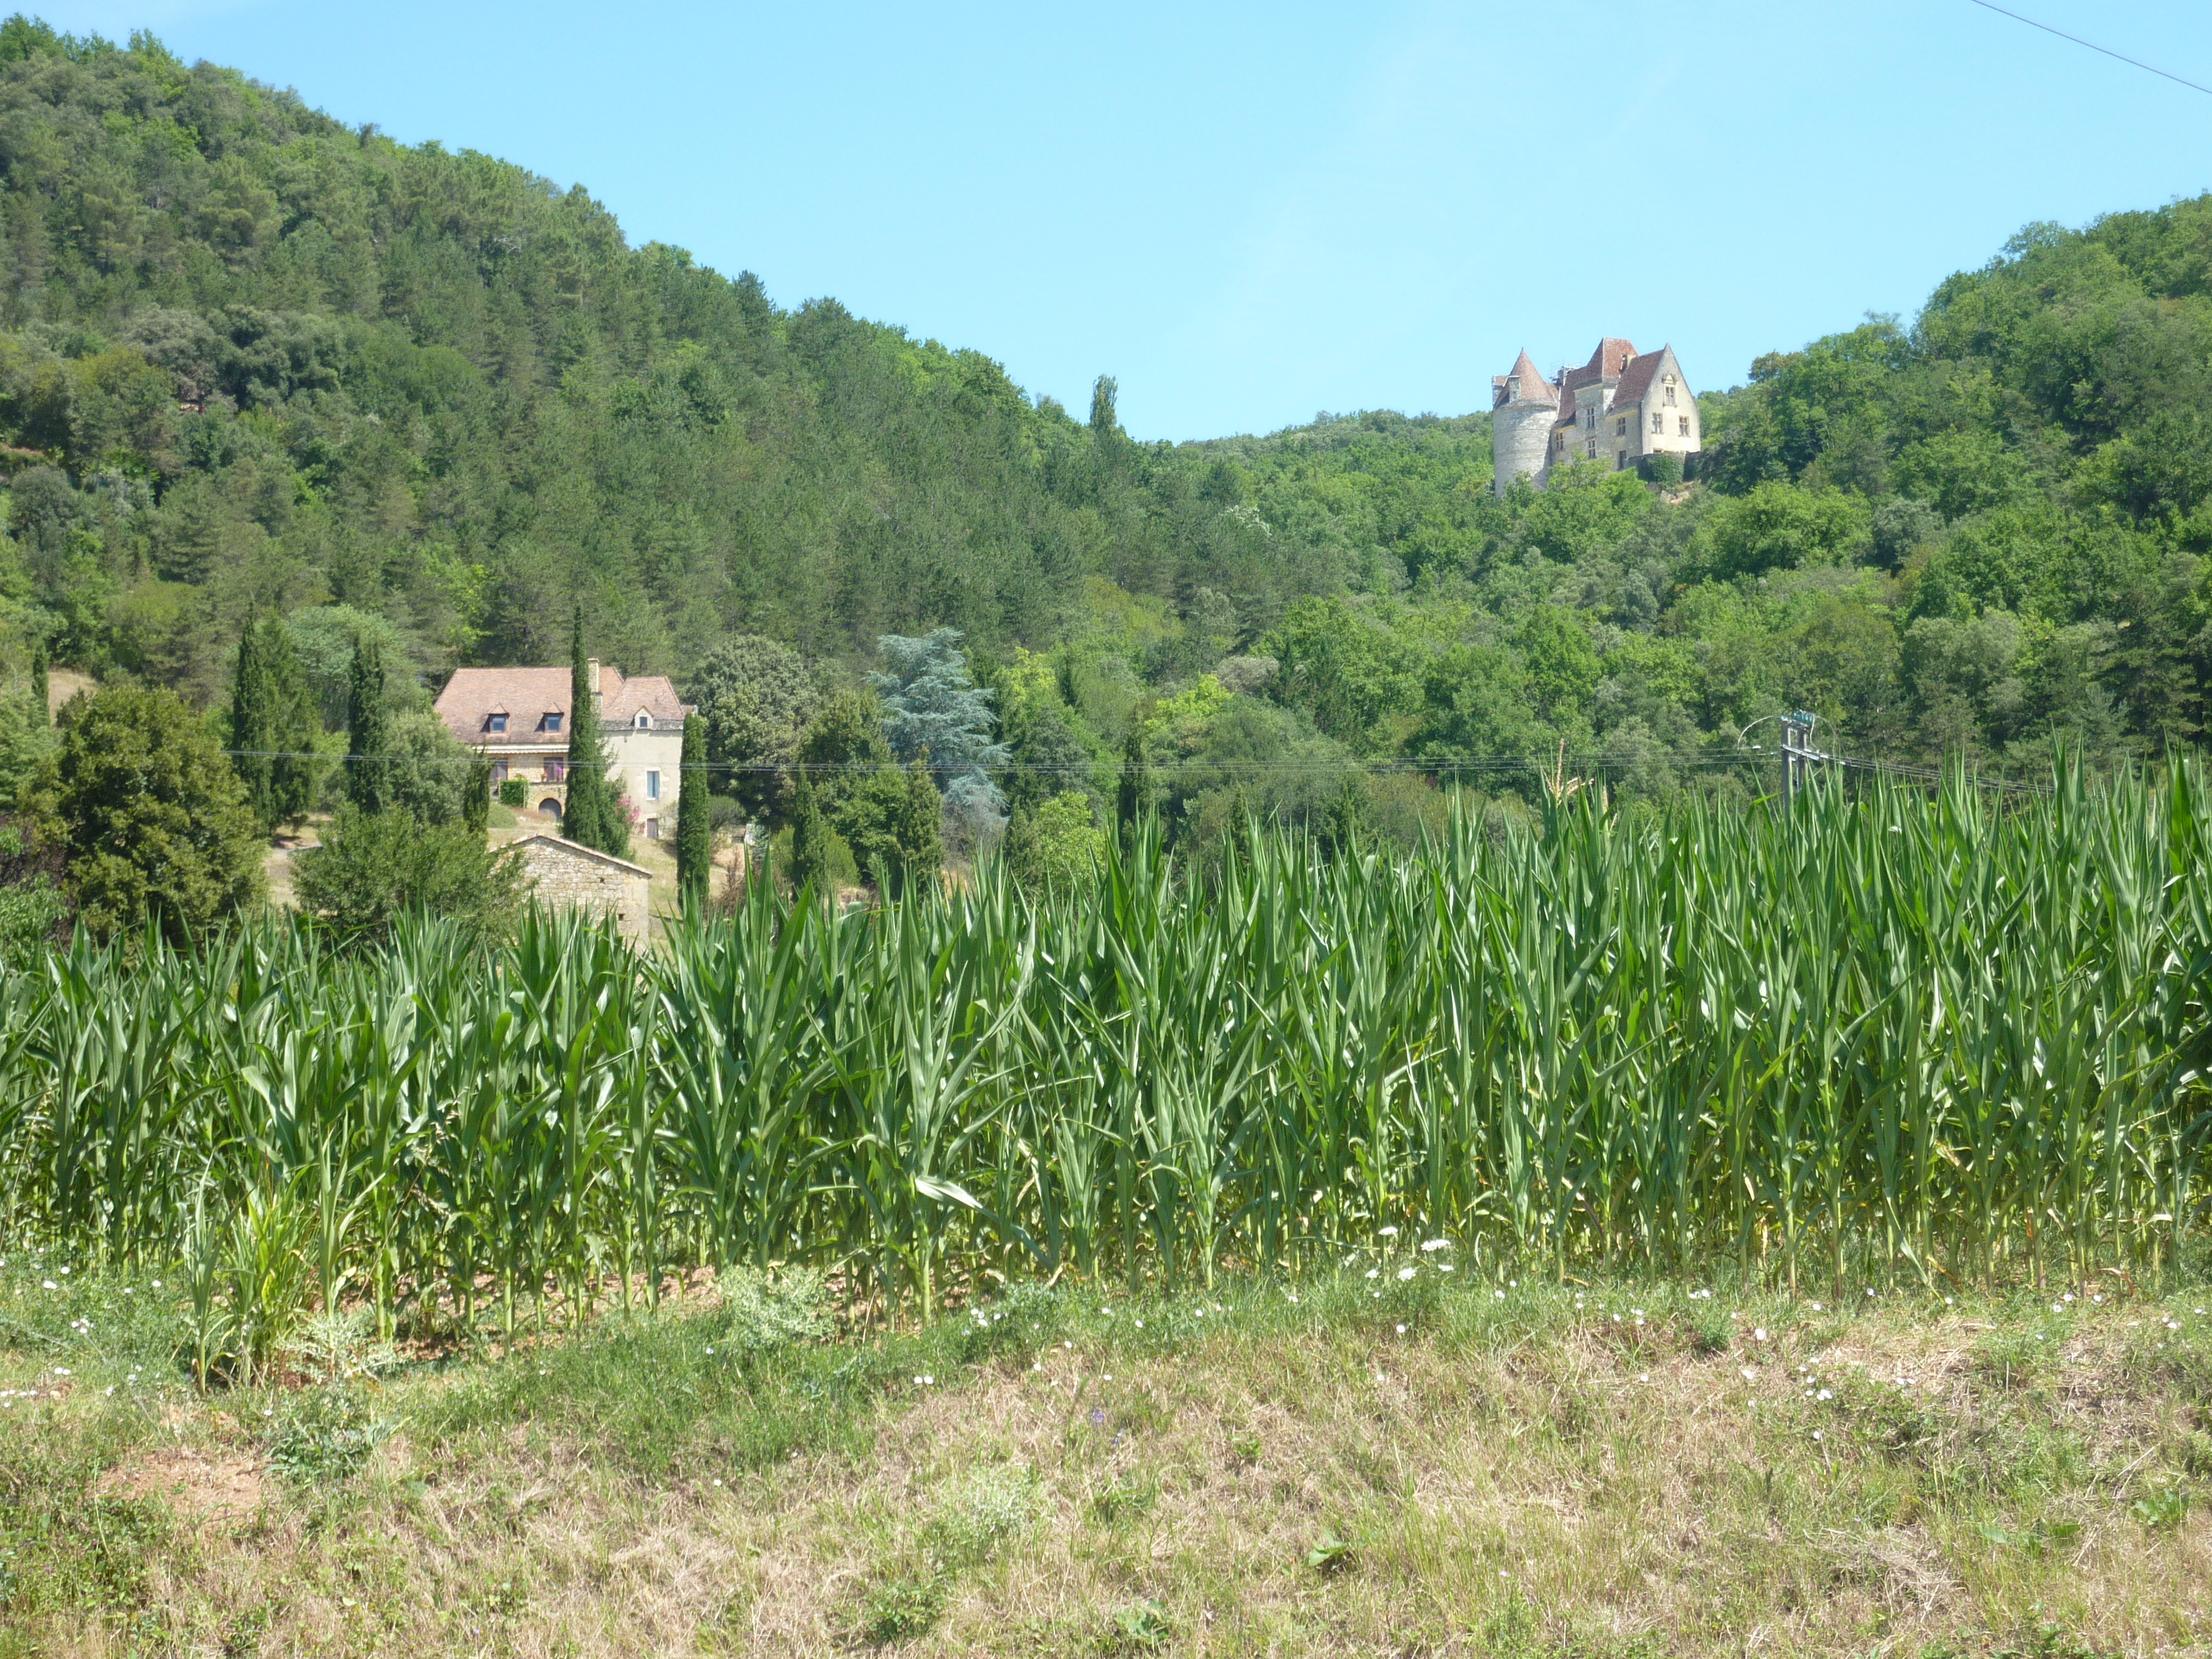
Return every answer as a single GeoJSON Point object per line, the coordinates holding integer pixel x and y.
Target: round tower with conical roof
{"type": "Point", "coordinates": [1523, 408]}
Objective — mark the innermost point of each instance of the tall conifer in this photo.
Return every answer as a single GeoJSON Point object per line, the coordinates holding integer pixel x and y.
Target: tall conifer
{"type": "Point", "coordinates": [1134, 796]}
{"type": "Point", "coordinates": [591, 816]}
{"type": "Point", "coordinates": [920, 829]}
{"type": "Point", "coordinates": [368, 772]}
{"type": "Point", "coordinates": [39, 691]}
{"type": "Point", "coordinates": [475, 795]}
{"type": "Point", "coordinates": [695, 847]}
{"type": "Point", "coordinates": [809, 839]}
{"type": "Point", "coordinates": [250, 727]}
{"type": "Point", "coordinates": [294, 721]}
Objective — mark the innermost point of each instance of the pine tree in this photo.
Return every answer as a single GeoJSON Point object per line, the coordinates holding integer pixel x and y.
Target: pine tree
{"type": "Point", "coordinates": [38, 690]}
{"type": "Point", "coordinates": [591, 817]}
{"type": "Point", "coordinates": [368, 773]}
{"type": "Point", "coordinates": [809, 840]}
{"type": "Point", "coordinates": [1134, 797]}
{"type": "Point", "coordinates": [695, 847]}
{"type": "Point", "coordinates": [250, 727]}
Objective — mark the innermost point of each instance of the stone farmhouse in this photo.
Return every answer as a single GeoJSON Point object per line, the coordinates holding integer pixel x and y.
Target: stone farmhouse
{"type": "Point", "coordinates": [1622, 406]}
{"type": "Point", "coordinates": [518, 718]}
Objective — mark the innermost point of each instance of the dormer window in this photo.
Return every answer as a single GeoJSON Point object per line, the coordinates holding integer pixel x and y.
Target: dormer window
{"type": "Point", "coordinates": [552, 719]}
{"type": "Point", "coordinates": [495, 722]}
{"type": "Point", "coordinates": [644, 719]}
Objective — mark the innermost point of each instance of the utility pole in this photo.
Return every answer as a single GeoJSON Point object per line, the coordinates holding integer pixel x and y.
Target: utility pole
{"type": "Point", "coordinates": [1798, 752]}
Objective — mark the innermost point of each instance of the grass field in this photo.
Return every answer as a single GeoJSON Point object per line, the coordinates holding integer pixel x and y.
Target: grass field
{"type": "Point", "coordinates": [1422, 1464]}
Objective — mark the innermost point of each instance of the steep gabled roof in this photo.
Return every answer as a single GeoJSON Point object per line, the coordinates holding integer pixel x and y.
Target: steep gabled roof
{"type": "Point", "coordinates": [1636, 381]}
{"type": "Point", "coordinates": [1605, 364]}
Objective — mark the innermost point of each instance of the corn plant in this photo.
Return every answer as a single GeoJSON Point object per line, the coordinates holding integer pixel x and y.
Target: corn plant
{"type": "Point", "coordinates": [1893, 1034]}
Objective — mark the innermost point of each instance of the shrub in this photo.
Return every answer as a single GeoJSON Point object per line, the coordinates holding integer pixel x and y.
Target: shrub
{"type": "Point", "coordinates": [152, 817]}
{"type": "Point", "coordinates": [514, 791]}
{"type": "Point", "coordinates": [372, 869]}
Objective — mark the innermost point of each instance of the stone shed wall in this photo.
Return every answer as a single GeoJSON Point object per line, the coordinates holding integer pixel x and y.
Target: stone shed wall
{"type": "Point", "coordinates": [566, 877]}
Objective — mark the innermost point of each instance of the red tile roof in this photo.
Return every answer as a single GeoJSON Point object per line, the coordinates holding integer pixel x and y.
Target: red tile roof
{"type": "Point", "coordinates": [526, 695]}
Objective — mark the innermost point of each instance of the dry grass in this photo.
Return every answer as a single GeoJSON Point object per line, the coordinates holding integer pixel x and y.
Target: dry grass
{"type": "Point", "coordinates": [1528, 1477]}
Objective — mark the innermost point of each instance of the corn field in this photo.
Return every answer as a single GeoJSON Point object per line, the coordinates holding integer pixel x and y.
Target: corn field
{"type": "Point", "coordinates": [1906, 1036]}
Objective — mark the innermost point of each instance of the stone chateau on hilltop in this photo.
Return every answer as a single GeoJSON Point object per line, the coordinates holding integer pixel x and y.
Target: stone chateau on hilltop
{"type": "Point", "coordinates": [1620, 406]}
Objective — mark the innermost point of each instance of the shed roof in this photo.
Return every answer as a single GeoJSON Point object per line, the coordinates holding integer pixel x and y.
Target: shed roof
{"type": "Point", "coordinates": [561, 843]}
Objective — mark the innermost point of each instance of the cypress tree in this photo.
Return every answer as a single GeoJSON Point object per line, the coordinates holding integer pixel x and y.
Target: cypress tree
{"type": "Point", "coordinates": [476, 796]}
{"type": "Point", "coordinates": [250, 733]}
{"type": "Point", "coordinates": [695, 848]}
{"type": "Point", "coordinates": [368, 775]}
{"type": "Point", "coordinates": [295, 720]}
{"type": "Point", "coordinates": [39, 682]}
{"type": "Point", "coordinates": [919, 830]}
{"type": "Point", "coordinates": [1133, 799]}
{"type": "Point", "coordinates": [809, 840]}
{"type": "Point", "coordinates": [591, 817]}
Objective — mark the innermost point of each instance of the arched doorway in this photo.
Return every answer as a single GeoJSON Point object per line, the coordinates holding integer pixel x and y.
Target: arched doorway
{"type": "Point", "coordinates": [549, 808]}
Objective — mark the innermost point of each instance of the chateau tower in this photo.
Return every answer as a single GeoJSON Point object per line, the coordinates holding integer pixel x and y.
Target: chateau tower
{"type": "Point", "coordinates": [1523, 408]}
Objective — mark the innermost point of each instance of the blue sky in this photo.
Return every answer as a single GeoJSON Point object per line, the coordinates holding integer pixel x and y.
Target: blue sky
{"type": "Point", "coordinates": [1250, 213]}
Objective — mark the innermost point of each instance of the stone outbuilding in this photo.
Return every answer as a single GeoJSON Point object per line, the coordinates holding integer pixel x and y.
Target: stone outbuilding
{"type": "Point", "coordinates": [567, 872]}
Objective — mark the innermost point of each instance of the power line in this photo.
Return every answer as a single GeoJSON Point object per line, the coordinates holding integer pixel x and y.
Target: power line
{"type": "Point", "coordinates": [1988, 5]}
{"type": "Point", "coordinates": [1231, 771]}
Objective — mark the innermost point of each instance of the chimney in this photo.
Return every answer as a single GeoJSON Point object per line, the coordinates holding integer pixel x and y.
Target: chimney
{"type": "Point", "coordinates": [592, 679]}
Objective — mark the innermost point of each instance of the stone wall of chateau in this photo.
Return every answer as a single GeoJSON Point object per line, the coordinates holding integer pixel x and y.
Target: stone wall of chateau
{"type": "Point", "coordinates": [1519, 434]}
{"type": "Point", "coordinates": [566, 876]}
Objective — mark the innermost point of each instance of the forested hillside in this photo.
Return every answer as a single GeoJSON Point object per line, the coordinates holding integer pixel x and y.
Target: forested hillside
{"type": "Point", "coordinates": [255, 360]}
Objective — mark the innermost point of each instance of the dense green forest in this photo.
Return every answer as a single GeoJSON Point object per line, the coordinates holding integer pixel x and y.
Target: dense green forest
{"type": "Point", "coordinates": [256, 362]}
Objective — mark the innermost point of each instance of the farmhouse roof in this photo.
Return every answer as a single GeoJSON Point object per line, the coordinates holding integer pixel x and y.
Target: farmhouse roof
{"type": "Point", "coordinates": [473, 695]}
